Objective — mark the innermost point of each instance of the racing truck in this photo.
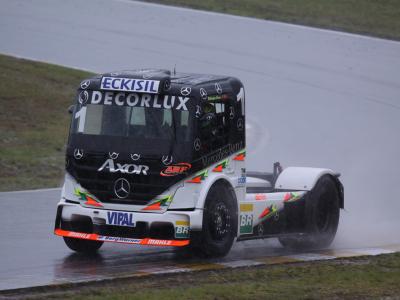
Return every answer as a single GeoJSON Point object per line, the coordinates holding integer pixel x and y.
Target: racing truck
{"type": "Point", "coordinates": [158, 158]}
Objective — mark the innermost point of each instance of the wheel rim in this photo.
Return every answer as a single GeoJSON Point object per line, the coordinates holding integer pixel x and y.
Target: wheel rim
{"type": "Point", "coordinates": [220, 222]}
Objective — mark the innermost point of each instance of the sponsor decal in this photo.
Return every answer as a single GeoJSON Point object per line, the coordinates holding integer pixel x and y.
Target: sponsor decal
{"type": "Point", "coordinates": [181, 229]}
{"type": "Point", "coordinates": [120, 218]}
{"type": "Point", "coordinates": [167, 160]}
{"type": "Point", "coordinates": [260, 197]}
{"type": "Point", "coordinates": [185, 91]}
{"type": "Point", "coordinates": [103, 238]}
{"type": "Point", "coordinates": [159, 242]}
{"type": "Point", "coordinates": [83, 97]}
{"type": "Point", "coordinates": [116, 239]}
{"type": "Point", "coordinates": [291, 197]}
{"type": "Point", "coordinates": [130, 85]}
{"type": "Point", "coordinates": [85, 84]}
{"type": "Point", "coordinates": [78, 153]}
{"type": "Point", "coordinates": [158, 204]}
{"type": "Point", "coordinates": [113, 155]}
{"type": "Point", "coordinates": [240, 124]}
{"type": "Point", "coordinates": [199, 177]}
{"type": "Point", "coordinates": [167, 85]}
{"type": "Point", "coordinates": [246, 207]}
{"type": "Point", "coordinates": [240, 156]}
{"type": "Point", "coordinates": [203, 94]}
{"type": "Point", "coordinates": [241, 181]}
{"type": "Point", "coordinates": [90, 199]}
{"type": "Point", "coordinates": [175, 169]}
{"type": "Point", "coordinates": [198, 111]}
{"type": "Point", "coordinates": [197, 144]}
{"type": "Point", "coordinates": [79, 235]}
{"type": "Point", "coordinates": [135, 156]}
{"type": "Point", "coordinates": [246, 218]}
{"type": "Point", "coordinates": [268, 212]}
{"type": "Point", "coordinates": [217, 97]}
{"type": "Point", "coordinates": [221, 153]}
{"type": "Point", "coordinates": [123, 168]}
{"type": "Point", "coordinates": [218, 88]}
{"type": "Point", "coordinates": [231, 112]}
{"type": "Point", "coordinates": [138, 100]}
{"type": "Point", "coordinates": [222, 165]}
{"type": "Point", "coordinates": [122, 188]}
{"type": "Point", "coordinates": [182, 232]}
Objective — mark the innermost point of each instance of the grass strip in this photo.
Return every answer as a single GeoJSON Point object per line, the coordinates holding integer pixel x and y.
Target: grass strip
{"type": "Point", "coordinates": [369, 17]}
{"type": "Point", "coordinates": [34, 122]}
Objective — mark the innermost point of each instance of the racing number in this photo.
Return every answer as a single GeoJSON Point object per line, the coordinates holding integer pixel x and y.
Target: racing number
{"type": "Point", "coordinates": [81, 115]}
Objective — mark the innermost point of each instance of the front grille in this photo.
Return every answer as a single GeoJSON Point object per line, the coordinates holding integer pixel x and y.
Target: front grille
{"type": "Point", "coordinates": [143, 188]}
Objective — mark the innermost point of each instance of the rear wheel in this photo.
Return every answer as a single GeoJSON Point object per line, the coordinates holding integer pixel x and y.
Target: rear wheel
{"type": "Point", "coordinates": [83, 246]}
{"type": "Point", "coordinates": [322, 217]}
{"type": "Point", "coordinates": [219, 222]}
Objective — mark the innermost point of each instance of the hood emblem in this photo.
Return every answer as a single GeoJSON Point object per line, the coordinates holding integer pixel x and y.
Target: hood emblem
{"type": "Point", "coordinates": [122, 188]}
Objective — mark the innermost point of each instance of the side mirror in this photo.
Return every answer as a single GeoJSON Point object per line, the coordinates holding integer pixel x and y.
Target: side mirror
{"type": "Point", "coordinates": [71, 109]}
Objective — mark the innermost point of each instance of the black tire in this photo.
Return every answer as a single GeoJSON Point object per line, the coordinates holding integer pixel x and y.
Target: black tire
{"type": "Point", "coordinates": [83, 246]}
{"type": "Point", "coordinates": [322, 217]}
{"type": "Point", "coordinates": [219, 222]}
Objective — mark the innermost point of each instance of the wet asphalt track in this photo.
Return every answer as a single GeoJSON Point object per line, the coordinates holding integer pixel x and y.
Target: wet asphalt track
{"type": "Point", "coordinates": [314, 98]}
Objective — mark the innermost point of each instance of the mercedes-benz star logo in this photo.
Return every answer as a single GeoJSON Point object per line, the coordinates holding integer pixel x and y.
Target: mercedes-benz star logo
{"type": "Point", "coordinates": [218, 88]}
{"type": "Point", "coordinates": [240, 124]}
{"type": "Point", "coordinates": [135, 156]}
{"type": "Point", "coordinates": [167, 160]}
{"type": "Point", "coordinates": [83, 97]}
{"type": "Point", "coordinates": [185, 91]}
{"type": "Point", "coordinates": [147, 75]}
{"type": "Point", "coordinates": [85, 84]}
{"type": "Point", "coordinates": [78, 153]}
{"type": "Point", "coordinates": [203, 94]}
{"type": "Point", "coordinates": [198, 111]}
{"type": "Point", "coordinates": [231, 112]}
{"type": "Point", "coordinates": [167, 85]}
{"type": "Point", "coordinates": [197, 144]}
{"type": "Point", "coordinates": [122, 188]}
{"type": "Point", "coordinates": [113, 155]}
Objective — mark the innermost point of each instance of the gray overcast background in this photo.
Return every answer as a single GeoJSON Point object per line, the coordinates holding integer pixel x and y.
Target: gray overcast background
{"type": "Point", "coordinates": [314, 97]}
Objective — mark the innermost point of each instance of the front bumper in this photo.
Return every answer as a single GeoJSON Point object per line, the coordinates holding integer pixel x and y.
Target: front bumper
{"type": "Point", "coordinates": [171, 228]}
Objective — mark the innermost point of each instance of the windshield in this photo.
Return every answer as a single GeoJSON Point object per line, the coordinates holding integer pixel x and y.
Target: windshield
{"type": "Point", "coordinates": [132, 122]}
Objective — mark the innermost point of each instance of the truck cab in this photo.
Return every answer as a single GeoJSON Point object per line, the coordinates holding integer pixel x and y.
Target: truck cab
{"type": "Point", "coordinates": [155, 158]}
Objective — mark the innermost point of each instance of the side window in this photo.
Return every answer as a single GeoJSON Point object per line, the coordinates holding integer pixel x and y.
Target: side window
{"type": "Point", "coordinates": [215, 125]}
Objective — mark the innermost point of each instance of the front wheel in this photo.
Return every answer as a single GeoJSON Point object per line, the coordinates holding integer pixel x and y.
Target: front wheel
{"type": "Point", "coordinates": [322, 217]}
{"type": "Point", "coordinates": [219, 222]}
{"type": "Point", "coordinates": [83, 246]}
